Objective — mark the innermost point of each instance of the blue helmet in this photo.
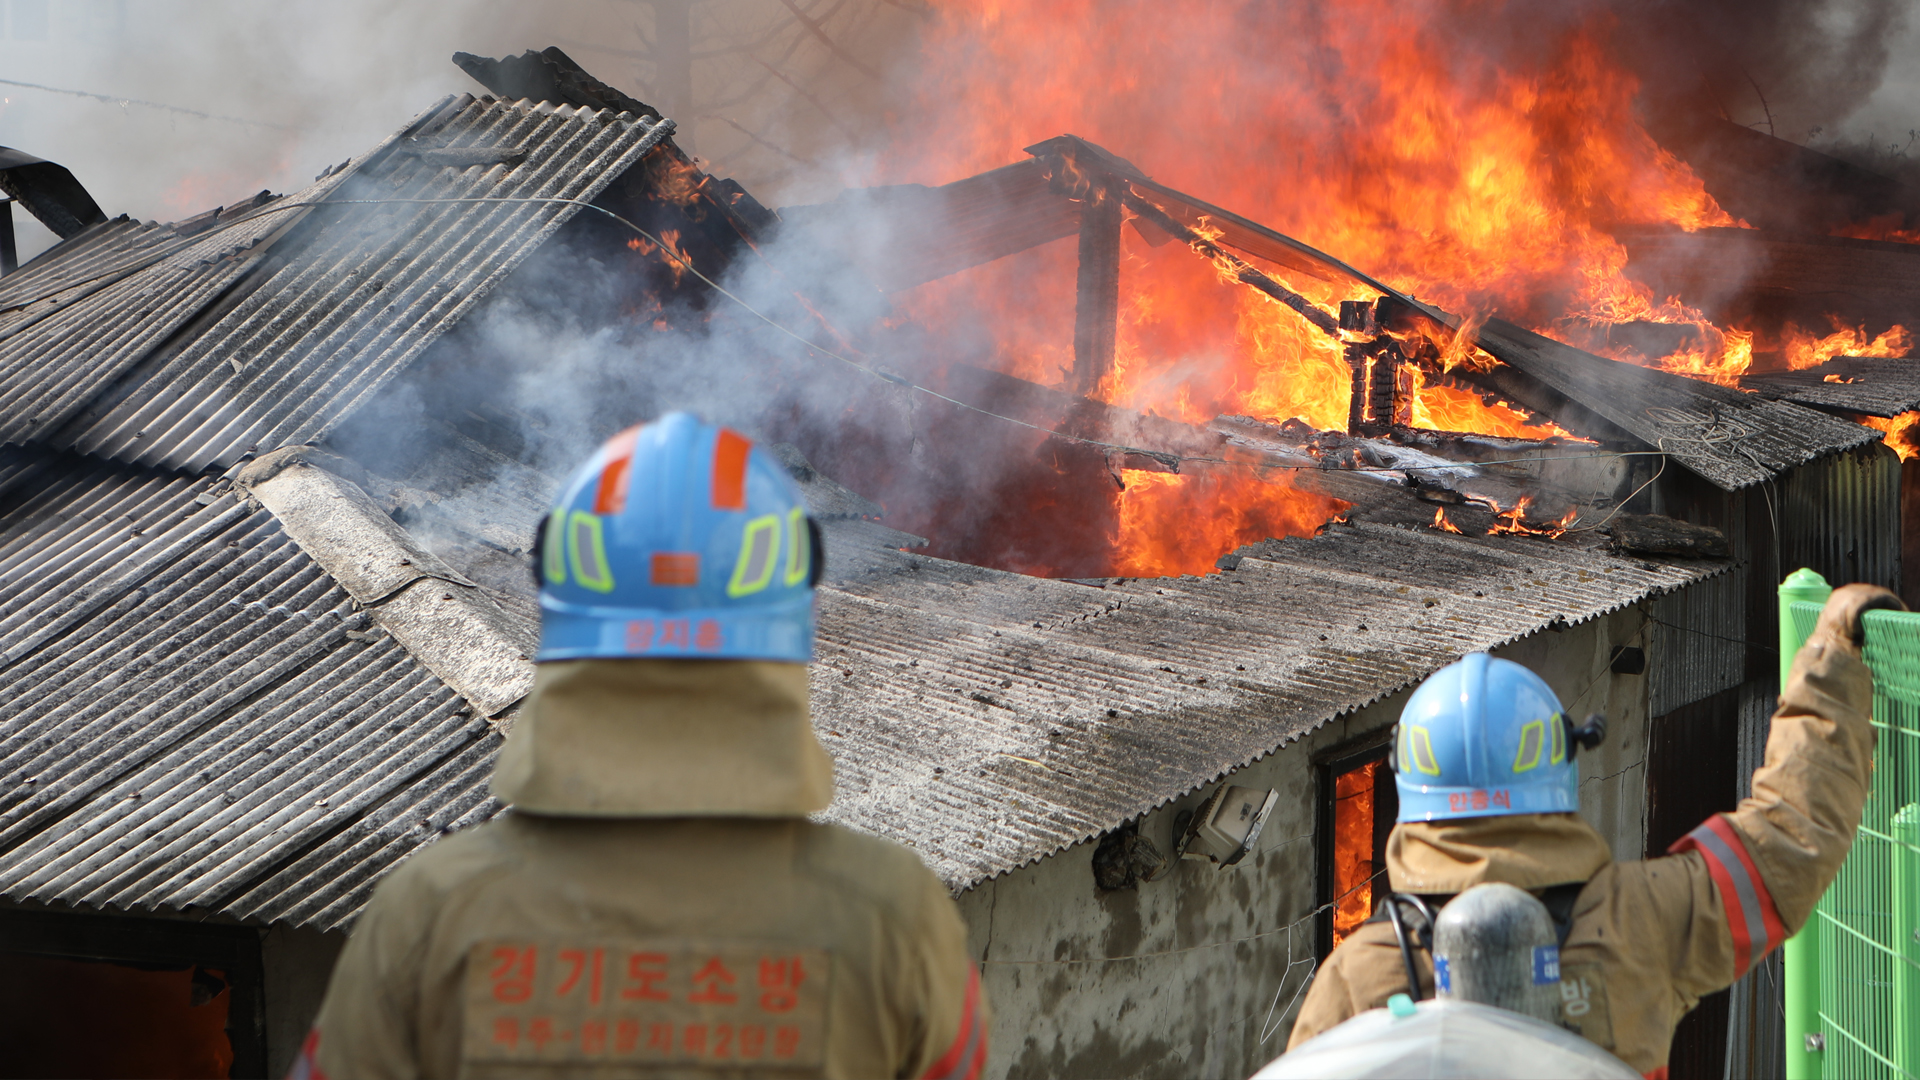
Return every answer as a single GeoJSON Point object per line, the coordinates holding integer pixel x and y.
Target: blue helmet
{"type": "Point", "coordinates": [678, 539]}
{"type": "Point", "coordinates": [1483, 737]}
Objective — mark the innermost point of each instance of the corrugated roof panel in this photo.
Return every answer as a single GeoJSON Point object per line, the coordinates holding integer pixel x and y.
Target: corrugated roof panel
{"type": "Point", "coordinates": [89, 257]}
{"type": "Point", "coordinates": [329, 884]}
{"type": "Point", "coordinates": [1873, 385]}
{"type": "Point", "coordinates": [362, 289]}
{"type": "Point", "coordinates": [1053, 711]}
{"type": "Point", "coordinates": [216, 715]}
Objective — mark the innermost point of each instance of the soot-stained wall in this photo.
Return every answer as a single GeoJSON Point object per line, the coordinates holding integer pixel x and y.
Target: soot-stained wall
{"type": "Point", "coordinates": [1200, 972]}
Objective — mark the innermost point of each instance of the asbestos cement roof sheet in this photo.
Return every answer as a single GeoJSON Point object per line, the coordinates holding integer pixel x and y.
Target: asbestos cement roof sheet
{"type": "Point", "coordinates": [269, 330]}
{"type": "Point", "coordinates": [94, 255]}
{"type": "Point", "coordinates": [198, 719]}
{"type": "Point", "coordinates": [1872, 385]}
{"type": "Point", "coordinates": [989, 719]}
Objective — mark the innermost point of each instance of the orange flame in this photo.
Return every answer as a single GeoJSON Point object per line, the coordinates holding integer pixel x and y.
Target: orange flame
{"type": "Point", "coordinates": [1173, 524]}
{"type": "Point", "coordinates": [1806, 348]}
{"type": "Point", "coordinates": [1353, 848]}
{"type": "Point", "coordinates": [1440, 522]}
{"type": "Point", "coordinates": [1903, 433]}
{"type": "Point", "coordinates": [1481, 180]}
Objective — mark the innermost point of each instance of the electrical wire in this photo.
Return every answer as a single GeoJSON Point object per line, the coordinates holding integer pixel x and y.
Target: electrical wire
{"type": "Point", "coordinates": [124, 101]}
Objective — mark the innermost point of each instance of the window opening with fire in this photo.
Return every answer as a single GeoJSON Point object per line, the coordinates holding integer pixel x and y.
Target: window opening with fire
{"type": "Point", "coordinates": [1358, 804]}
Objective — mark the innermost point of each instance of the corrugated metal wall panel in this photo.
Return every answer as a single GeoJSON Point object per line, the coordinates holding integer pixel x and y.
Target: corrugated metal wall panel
{"type": "Point", "coordinates": [1840, 515]}
{"type": "Point", "coordinates": [1699, 642]}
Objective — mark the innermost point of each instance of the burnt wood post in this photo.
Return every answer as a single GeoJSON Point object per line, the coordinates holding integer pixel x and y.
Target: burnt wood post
{"type": "Point", "coordinates": [9, 255]}
{"type": "Point", "coordinates": [1096, 312]}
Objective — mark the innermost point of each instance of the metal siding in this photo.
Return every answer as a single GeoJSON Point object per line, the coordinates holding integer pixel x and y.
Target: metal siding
{"type": "Point", "coordinates": [1840, 516]}
{"type": "Point", "coordinates": [1699, 645]}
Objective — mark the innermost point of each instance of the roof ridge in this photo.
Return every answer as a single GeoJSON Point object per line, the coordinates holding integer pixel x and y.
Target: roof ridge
{"type": "Point", "coordinates": [444, 620]}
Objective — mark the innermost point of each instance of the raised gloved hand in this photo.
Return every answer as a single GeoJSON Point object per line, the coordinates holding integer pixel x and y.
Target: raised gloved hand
{"type": "Point", "coordinates": [1840, 619]}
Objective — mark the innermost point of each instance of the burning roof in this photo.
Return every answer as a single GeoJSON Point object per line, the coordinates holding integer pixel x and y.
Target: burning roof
{"type": "Point", "coordinates": [327, 642]}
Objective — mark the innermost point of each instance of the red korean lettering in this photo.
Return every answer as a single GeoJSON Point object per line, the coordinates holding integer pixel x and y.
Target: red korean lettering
{"type": "Point", "coordinates": [710, 984]}
{"type": "Point", "coordinates": [647, 970]}
{"type": "Point", "coordinates": [660, 1037]}
{"type": "Point", "coordinates": [694, 1040]}
{"type": "Point", "coordinates": [707, 637]}
{"type": "Point", "coordinates": [626, 1036]}
{"type": "Point", "coordinates": [722, 1040]}
{"type": "Point", "coordinates": [576, 962]}
{"type": "Point", "coordinates": [1502, 800]}
{"type": "Point", "coordinates": [676, 632]}
{"type": "Point", "coordinates": [506, 1032]}
{"type": "Point", "coordinates": [780, 980]}
{"type": "Point", "coordinates": [1456, 801]}
{"type": "Point", "coordinates": [639, 635]}
{"type": "Point", "coordinates": [513, 973]}
{"type": "Point", "coordinates": [593, 1036]}
{"type": "Point", "coordinates": [1479, 800]}
{"type": "Point", "coordinates": [753, 1040]}
{"type": "Point", "coordinates": [786, 1041]}
{"type": "Point", "coordinates": [540, 1032]}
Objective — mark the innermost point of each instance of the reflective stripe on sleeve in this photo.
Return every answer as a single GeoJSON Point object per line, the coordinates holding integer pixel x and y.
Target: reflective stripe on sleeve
{"type": "Point", "coordinates": [968, 1054]}
{"type": "Point", "coordinates": [1751, 915]}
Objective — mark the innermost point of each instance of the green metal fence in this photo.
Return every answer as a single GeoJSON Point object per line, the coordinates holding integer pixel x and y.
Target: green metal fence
{"type": "Point", "coordinates": [1853, 972]}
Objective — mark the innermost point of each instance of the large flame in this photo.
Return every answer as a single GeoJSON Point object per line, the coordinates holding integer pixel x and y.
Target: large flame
{"type": "Point", "coordinates": [1477, 161]}
{"type": "Point", "coordinates": [1353, 848]}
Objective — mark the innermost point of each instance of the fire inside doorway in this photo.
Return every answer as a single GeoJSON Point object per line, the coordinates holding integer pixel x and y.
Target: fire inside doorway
{"type": "Point", "coordinates": [1358, 807]}
{"type": "Point", "coordinates": [88, 996]}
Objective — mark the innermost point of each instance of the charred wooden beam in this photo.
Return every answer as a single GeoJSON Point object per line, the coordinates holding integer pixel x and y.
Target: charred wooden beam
{"type": "Point", "coordinates": [1653, 534]}
{"type": "Point", "coordinates": [1244, 272]}
{"type": "Point", "coordinates": [9, 254]}
{"type": "Point", "coordinates": [1096, 314]}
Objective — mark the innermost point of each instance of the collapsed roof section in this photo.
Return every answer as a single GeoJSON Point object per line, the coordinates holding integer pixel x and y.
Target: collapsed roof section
{"type": "Point", "coordinates": [1730, 438]}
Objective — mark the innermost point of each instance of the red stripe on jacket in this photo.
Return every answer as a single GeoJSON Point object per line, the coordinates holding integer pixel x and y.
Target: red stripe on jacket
{"type": "Point", "coordinates": [957, 1054]}
{"type": "Point", "coordinates": [1752, 917]}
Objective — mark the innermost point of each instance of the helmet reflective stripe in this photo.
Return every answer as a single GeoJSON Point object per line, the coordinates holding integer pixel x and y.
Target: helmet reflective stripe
{"type": "Point", "coordinates": [730, 471]}
{"type": "Point", "coordinates": [798, 544]}
{"type": "Point", "coordinates": [759, 548]}
{"type": "Point", "coordinates": [587, 552]}
{"type": "Point", "coordinates": [554, 548]}
{"type": "Point", "coordinates": [1558, 730]}
{"type": "Point", "coordinates": [610, 495]}
{"type": "Point", "coordinates": [1419, 752]}
{"type": "Point", "coordinates": [1533, 739]}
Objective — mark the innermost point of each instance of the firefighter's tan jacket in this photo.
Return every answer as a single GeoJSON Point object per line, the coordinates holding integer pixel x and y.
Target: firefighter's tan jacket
{"type": "Point", "coordinates": [1650, 938]}
{"type": "Point", "coordinates": [668, 910]}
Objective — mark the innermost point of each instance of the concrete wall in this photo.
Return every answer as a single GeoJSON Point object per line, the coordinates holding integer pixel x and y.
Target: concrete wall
{"type": "Point", "coordinates": [1200, 973]}
{"type": "Point", "coordinates": [296, 965]}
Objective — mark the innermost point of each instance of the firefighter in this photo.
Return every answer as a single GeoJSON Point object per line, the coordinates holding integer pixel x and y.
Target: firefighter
{"type": "Point", "coordinates": [655, 901]}
{"type": "Point", "coordinates": [1484, 765]}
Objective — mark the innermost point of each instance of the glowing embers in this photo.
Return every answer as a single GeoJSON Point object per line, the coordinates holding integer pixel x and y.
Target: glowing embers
{"type": "Point", "coordinates": [1514, 521]}
{"type": "Point", "coordinates": [1359, 804]}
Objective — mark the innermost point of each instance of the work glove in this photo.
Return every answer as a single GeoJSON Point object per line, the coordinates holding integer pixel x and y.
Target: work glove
{"type": "Point", "coordinates": [1840, 619]}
